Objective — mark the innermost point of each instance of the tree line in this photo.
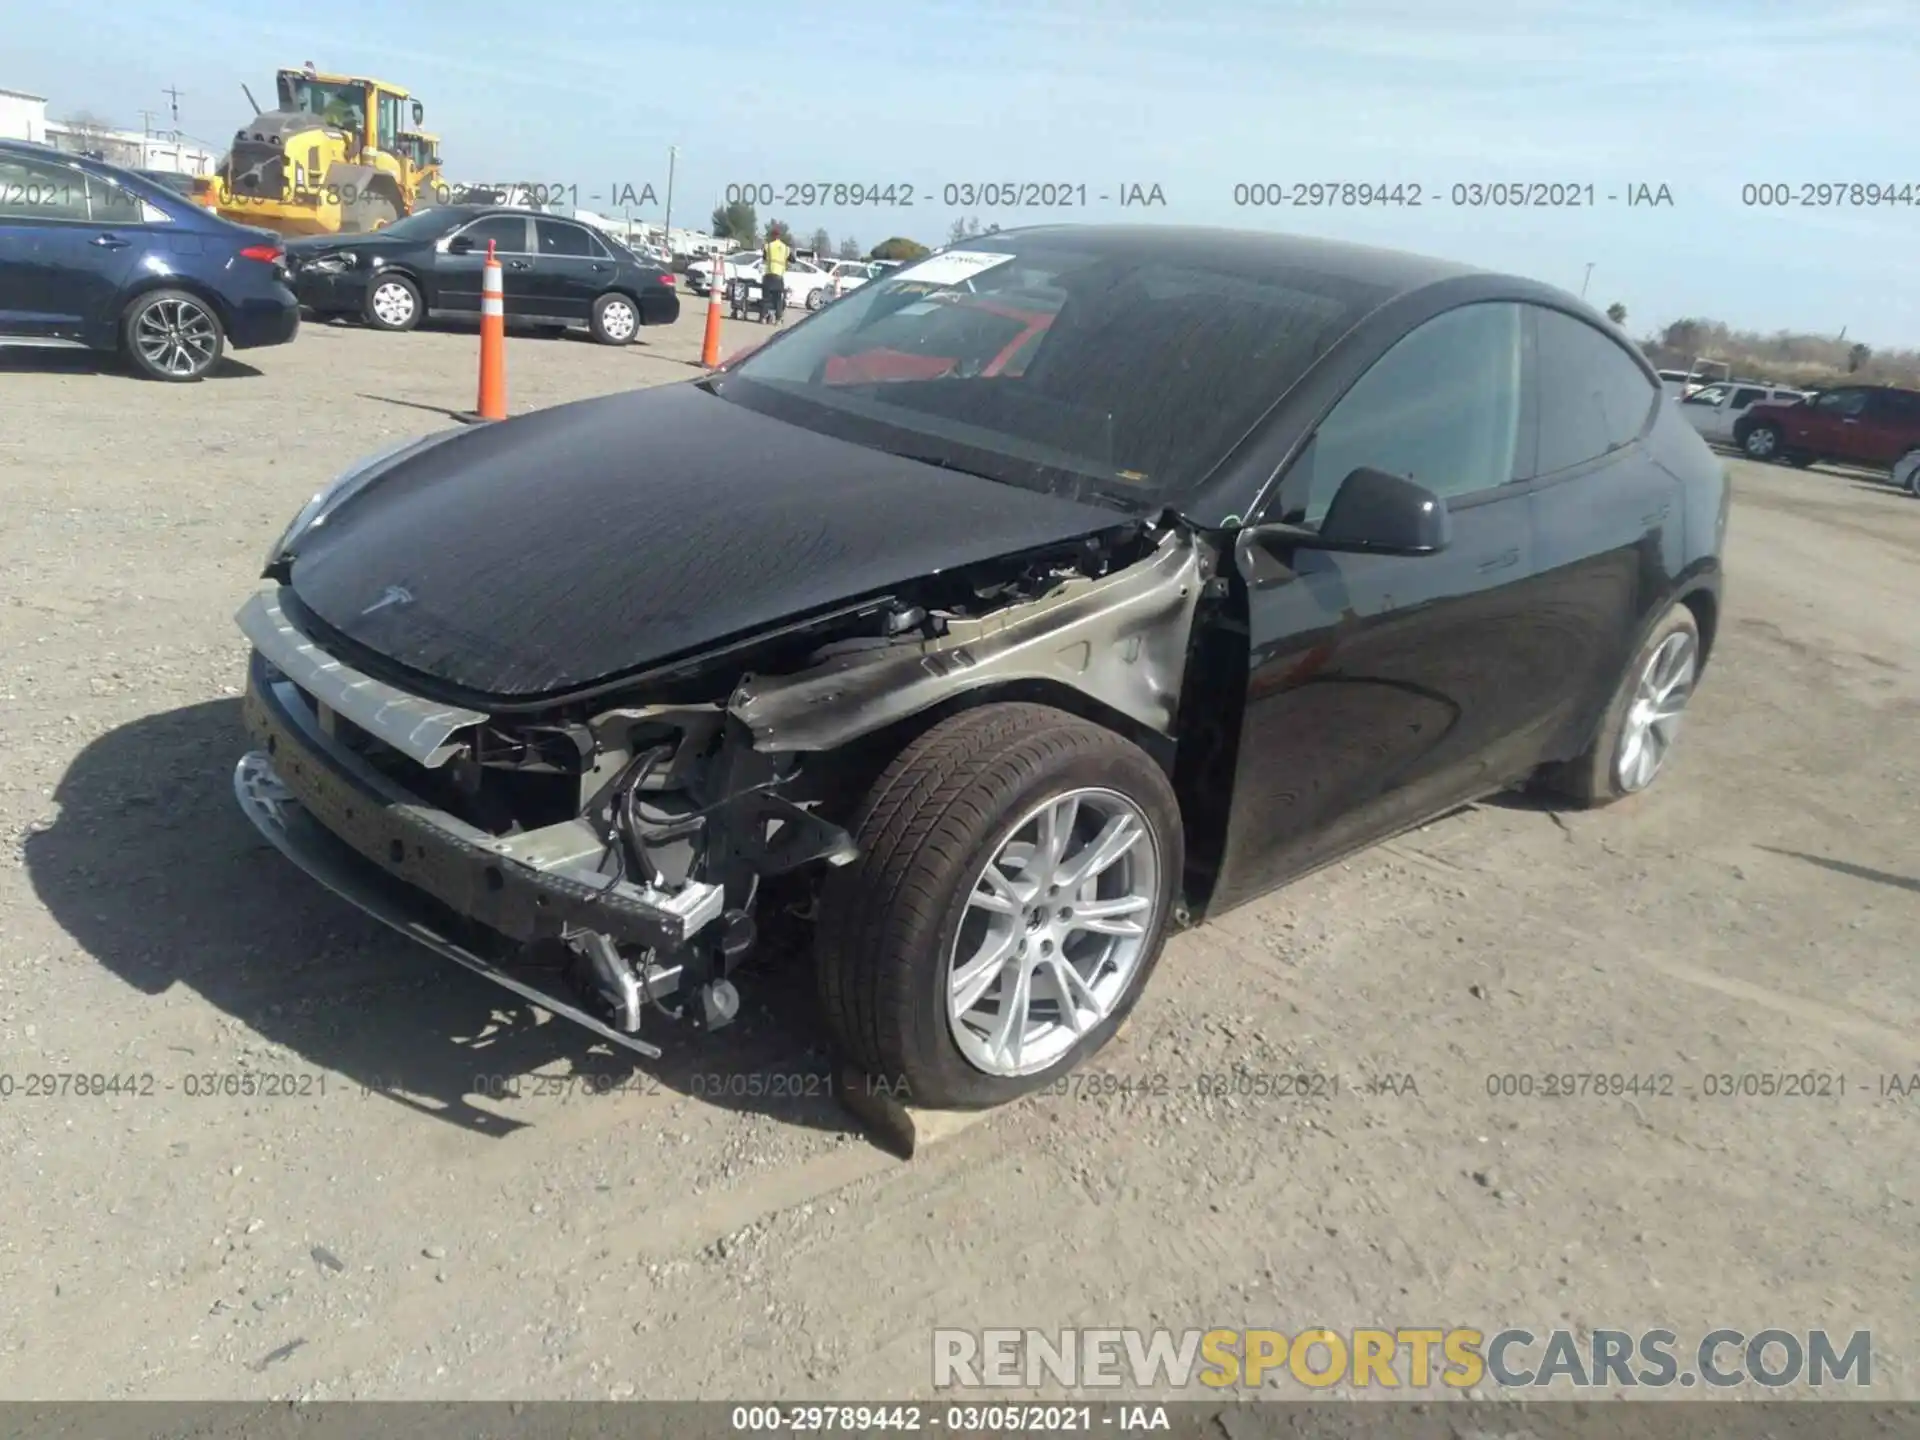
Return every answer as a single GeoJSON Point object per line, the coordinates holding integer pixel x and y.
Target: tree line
{"type": "Point", "coordinates": [1786, 357]}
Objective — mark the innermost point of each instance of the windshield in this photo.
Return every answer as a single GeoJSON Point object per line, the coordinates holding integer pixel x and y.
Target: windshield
{"type": "Point", "coordinates": [425, 224]}
{"type": "Point", "coordinates": [1087, 368]}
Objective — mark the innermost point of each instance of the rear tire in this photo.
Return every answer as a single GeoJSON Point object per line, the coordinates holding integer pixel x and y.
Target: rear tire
{"type": "Point", "coordinates": [393, 303]}
{"type": "Point", "coordinates": [172, 335]}
{"type": "Point", "coordinates": [1632, 747]}
{"type": "Point", "coordinates": [616, 319]}
{"type": "Point", "coordinates": [920, 965]}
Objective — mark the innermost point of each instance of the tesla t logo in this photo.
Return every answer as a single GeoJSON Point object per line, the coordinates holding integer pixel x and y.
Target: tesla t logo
{"type": "Point", "coordinates": [393, 595]}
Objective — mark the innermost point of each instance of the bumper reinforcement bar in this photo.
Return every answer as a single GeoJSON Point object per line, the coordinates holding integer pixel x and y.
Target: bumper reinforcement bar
{"type": "Point", "coordinates": [278, 814]}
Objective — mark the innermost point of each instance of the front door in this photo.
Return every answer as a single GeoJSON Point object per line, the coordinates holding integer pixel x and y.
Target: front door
{"type": "Point", "coordinates": [1383, 688]}
{"type": "Point", "coordinates": [457, 271]}
{"type": "Point", "coordinates": [1828, 426]}
{"type": "Point", "coordinates": [67, 243]}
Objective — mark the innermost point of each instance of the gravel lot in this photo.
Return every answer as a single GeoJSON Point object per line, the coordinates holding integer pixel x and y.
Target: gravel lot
{"type": "Point", "coordinates": [392, 1230]}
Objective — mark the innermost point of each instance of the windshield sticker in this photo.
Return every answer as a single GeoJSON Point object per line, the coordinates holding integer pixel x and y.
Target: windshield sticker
{"type": "Point", "coordinates": [953, 267]}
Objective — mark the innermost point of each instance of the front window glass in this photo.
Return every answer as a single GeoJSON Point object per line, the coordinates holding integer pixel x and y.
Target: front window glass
{"type": "Point", "coordinates": [341, 105]}
{"type": "Point", "coordinates": [1441, 408]}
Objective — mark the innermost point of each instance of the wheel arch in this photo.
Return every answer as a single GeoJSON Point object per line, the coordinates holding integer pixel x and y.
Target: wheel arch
{"type": "Point", "coordinates": [147, 284]}
{"type": "Point", "coordinates": [1704, 601]}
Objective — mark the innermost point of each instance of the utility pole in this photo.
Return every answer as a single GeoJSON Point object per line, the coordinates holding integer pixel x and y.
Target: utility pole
{"type": "Point", "coordinates": [1583, 283]}
{"type": "Point", "coordinates": [673, 153]}
{"type": "Point", "coordinates": [173, 94]}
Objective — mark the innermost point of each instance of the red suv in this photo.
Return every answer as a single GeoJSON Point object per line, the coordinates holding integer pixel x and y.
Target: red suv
{"type": "Point", "coordinates": [1876, 426]}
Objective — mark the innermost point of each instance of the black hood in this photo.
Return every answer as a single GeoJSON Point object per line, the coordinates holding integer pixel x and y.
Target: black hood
{"type": "Point", "coordinates": [547, 553]}
{"type": "Point", "coordinates": [309, 246]}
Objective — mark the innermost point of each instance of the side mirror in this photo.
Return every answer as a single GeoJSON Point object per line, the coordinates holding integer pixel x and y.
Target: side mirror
{"type": "Point", "coordinates": [419, 112]}
{"type": "Point", "coordinates": [1373, 513]}
{"type": "Point", "coordinates": [460, 245]}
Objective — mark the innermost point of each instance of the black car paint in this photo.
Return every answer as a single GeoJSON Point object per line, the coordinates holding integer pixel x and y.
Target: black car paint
{"type": "Point", "coordinates": [1332, 699]}
{"type": "Point", "coordinates": [538, 289]}
{"type": "Point", "coordinates": [686, 519]}
{"type": "Point", "coordinates": [72, 280]}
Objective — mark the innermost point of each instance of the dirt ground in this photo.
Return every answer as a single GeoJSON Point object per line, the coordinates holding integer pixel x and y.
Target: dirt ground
{"type": "Point", "coordinates": [392, 1228]}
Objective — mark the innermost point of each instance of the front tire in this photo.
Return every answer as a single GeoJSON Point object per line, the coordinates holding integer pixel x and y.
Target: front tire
{"type": "Point", "coordinates": [1017, 869]}
{"type": "Point", "coordinates": [172, 335]}
{"type": "Point", "coordinates": [393, 303]}
{"type": "Point", "coordinates": [1642, 722]}
{"type": "Point", "coordinates": [816, 298]}
{"type": "Point", "coordinates": [1762, 442]}
{"type": "Point", "coordinates": [616, 319]}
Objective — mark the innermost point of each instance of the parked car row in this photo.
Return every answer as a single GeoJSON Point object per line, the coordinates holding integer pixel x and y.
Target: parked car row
{"type": "Point", "coordinates": [554, 272]}
{"type": "Point", "coordinates": [810, 284]}
{"type": "Point", "coordinates": [1876, 427]}
{"type": "Point", "coordinates": [104, 258]}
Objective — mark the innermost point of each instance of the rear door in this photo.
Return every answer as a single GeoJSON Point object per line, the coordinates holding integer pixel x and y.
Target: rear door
{"type": "Point", "coordinates": [1890, 428]}
{"type": "Point", "coordinates": [457, 272]}
{"type": "Point", "coordinates": [1606, 523]}
{"type": "Point", "coordinates": [1383, 688]}
{"type": "Point", "coordinates": [68, 241]}
{"type": "Point", "coordinates": [572, 268]}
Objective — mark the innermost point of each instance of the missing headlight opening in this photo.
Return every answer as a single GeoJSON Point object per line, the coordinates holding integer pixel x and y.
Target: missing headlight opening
{"type": "Point", "coordinates": [627, 849]}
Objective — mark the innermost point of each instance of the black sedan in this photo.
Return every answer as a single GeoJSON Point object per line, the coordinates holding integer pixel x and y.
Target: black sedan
{"type": "Point", "coordinates": [1047, 595]}
{"type": "Point", "coordinates": [554, 272]}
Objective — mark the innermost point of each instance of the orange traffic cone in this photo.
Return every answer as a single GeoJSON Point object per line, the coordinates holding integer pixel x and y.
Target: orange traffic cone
{"type": "Point", "coordinates": [710, 346]}
{"type": "Point", "coordinates": [492, 404]}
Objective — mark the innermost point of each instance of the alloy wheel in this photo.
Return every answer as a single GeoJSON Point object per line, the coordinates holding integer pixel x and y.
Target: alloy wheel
{"type": "Point", "coordinates": [1653, 718]}
{"type": "Point", "coordinates": [1055, 927]}
{"type": "Point", "coordinates": [177, 337]}
{"type": "Point", "coordinates": [1761, 443]}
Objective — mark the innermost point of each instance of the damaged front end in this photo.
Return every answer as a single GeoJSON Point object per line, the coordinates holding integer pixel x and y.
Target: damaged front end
{"type": "Point", "coordinates": [622, 848]}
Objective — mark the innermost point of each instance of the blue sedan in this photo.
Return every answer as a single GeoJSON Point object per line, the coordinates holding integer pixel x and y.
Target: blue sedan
{"type": "Point", "coordinates": [95, 256]}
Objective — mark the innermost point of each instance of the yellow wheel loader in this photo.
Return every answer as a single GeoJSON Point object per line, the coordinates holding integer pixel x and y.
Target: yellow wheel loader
{"type": "Point", "coordinates": [338, 155]}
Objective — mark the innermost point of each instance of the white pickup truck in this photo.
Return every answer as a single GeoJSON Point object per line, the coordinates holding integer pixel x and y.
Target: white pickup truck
{"type": "Point", "coordinates": [1715, 409]}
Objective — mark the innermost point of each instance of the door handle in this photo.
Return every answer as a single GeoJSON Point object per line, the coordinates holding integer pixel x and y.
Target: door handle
{"type": "Point", "coordinates": [1650, 520]}
{"type": "Point", "coordinates": [1500, 561]}
{"type": "Point", "coordinates": [111, 242]}
{"type": "Point", "coordinates": [519, 264]}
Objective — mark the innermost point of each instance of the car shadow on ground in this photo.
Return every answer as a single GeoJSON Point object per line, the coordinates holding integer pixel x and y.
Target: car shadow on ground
{"type": "Point", "coordinates": [153, 869]}
{"type": "Point", "coordinates": [437, 326]}
{"type": "Point", "coordinates": [1847, 867]}
{"type": "Point", "coordinates": [36, 360]}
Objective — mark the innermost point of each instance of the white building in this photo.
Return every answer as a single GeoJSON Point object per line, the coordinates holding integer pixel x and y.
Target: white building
{"type": "Point", "coordinates": [24, 117]}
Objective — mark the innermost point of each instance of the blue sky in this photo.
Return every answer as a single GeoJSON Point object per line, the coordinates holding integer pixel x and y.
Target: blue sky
{"type": "Point", "coordinates": [1703, 96]}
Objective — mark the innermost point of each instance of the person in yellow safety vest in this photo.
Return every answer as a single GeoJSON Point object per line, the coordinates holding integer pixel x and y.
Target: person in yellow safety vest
{"type": "Point", "coordinates": [773, 274]}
